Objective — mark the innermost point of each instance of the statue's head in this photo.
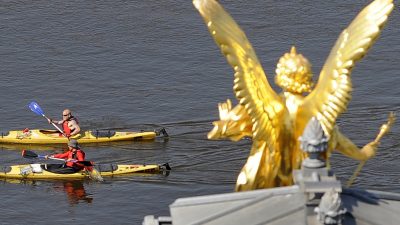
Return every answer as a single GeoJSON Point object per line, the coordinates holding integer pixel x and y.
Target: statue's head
{"type": "Point", "coordinates": [293, 73]}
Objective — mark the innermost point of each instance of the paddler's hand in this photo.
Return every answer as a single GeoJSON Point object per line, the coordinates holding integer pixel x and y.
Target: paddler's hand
{"type": "Point", "coordinates": [49, 120]}
{"type": "Point", "coordinates": [46, 157]}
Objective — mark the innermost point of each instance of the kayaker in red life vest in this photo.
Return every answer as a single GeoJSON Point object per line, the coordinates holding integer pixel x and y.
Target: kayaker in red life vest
{"type": "Point", "coordinates": [72, 156]}
{"type": "Point", "coordinates": [69, 123]}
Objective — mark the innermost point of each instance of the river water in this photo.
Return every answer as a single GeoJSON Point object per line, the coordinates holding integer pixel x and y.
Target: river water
{"type": "Point", "coordinates": [133, 65]}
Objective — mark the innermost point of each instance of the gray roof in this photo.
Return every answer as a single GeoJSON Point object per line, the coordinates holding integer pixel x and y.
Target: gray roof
{"type": "Point", "coordinates": [285, 205]}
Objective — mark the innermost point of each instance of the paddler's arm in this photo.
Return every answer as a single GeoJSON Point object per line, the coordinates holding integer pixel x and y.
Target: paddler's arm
{"type": "Point", "coordinates": [75, 127]}
{"type": "Point", "coordinates": [60, 155]}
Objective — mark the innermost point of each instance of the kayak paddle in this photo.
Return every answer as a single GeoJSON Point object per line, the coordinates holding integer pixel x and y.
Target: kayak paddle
{"type": "Point", "coordinates": [31, 155]}
{"type": "Point", "coordinates": [36, 109]}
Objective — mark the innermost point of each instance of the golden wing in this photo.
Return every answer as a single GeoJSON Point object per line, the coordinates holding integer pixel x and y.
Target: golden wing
{"type": "Point", "coordinates": [333, 91]}
{"type": "Point", "coordinates": [250, 84]}
{"type": "Point", "coordinates": [265, 108]}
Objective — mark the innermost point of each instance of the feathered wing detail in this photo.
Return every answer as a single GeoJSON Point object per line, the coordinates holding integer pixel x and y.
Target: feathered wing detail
{"type": "Point", "coordinates": [333, 91]}
{"type": "Point", "coordinates": [250, 84]}
{"type": "Point", "coordinates": [264, 107]}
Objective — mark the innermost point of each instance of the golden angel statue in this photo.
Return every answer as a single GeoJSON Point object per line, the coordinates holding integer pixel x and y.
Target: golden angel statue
{"type": "Point", "coordinates": [276, 121]}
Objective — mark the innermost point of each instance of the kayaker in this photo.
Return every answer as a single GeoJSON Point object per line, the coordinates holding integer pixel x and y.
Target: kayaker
{"type": "Point", "coordinates": [72, 156]}
{"type": "Point", "coordinates": [69, 123]}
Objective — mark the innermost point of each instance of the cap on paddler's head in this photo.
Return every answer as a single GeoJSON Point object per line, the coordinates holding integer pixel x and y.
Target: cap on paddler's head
{"type": "Point", "coordinates": [73, 143]}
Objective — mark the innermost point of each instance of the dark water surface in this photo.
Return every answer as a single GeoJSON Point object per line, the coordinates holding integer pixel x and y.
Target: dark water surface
{"type": "Point", "coordinates": [148, 64]}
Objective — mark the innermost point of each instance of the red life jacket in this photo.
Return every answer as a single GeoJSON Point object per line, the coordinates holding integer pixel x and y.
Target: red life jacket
{"type": "Point", "coordinates": [65, 126]}
{"type": "Point", "coordinates": [78, 155]}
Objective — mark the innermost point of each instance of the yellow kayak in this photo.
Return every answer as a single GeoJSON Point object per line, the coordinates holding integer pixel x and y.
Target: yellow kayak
{"type": "Point", "coordinates": [53, 171]}
{"type": "Point", "coordinates": [53, 136]}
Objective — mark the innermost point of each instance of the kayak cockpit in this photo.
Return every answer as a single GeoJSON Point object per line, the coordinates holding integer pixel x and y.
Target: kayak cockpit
{"type": "Point", "coordinates": [102, 133]}
{"type": "Point", "coordinates": [58, 168]}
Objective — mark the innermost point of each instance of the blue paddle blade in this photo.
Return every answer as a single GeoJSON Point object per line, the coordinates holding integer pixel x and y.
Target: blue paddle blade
{"type": "Point", "coordinates": [36, 108]}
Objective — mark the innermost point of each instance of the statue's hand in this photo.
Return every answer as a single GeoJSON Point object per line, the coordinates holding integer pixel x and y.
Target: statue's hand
{"type": "Point", "coordinates": [224, 110]}
{"type": "Point", "coordinates": [234, 123]}
{"type": "Point", "coordinates": [369, 150]}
